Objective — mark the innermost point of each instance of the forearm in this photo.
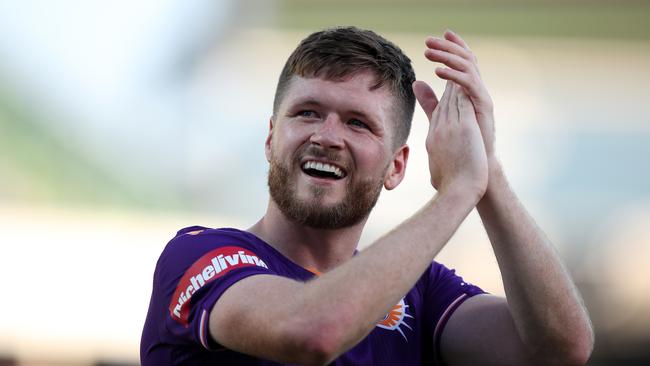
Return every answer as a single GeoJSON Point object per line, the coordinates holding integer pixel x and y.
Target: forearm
{"type": "Point", "coordinates": [543, 300]}
{"type": "Point", "coordinates": [368, 286]}
{"type": "Point", "coordinates": [316, 321]}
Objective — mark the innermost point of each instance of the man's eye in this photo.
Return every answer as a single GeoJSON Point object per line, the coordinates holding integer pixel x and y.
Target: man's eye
{"type": "Point", "coordinates": [358, 123]}
{"type": "Point", "coordinates": [307, 114]}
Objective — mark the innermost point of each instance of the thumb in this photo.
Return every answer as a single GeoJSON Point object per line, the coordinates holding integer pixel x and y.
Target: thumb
{"type": "Point", "coordinates": [425, 96]}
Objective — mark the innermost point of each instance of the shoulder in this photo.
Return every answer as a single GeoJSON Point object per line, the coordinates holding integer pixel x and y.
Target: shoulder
{"type": "Point", "coordinates": [199, 263]}
{"type": "Point", "coordinates": [200, 237]}
{"type": "Point", "coordinates": [222, 249]}
{"type": "Point", "coordinates": [197, 240]}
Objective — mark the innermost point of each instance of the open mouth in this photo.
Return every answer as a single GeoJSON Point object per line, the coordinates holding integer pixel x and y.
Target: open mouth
{"type": "Point", "coordinates": [323, 170]}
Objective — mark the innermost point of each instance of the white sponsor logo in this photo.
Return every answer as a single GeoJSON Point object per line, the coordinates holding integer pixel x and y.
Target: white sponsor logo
{"type": "Point", "coordinates": [209, 267]}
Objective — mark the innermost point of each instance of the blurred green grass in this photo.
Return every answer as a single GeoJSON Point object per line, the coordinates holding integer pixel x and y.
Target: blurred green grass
{"type": "Point", "coordinates": [39, 165]}
{"type": "Point", "coordinates": [529, 18]}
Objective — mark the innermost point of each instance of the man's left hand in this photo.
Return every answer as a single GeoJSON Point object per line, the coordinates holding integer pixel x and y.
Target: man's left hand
{"type": "Point", "coordinates": [462, 68]}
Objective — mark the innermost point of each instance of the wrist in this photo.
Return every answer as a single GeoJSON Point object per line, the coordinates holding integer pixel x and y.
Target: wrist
{"type": "Point", "coordinates": [497, 186]}
{"type": "Point", "coordinates": [461, 194]}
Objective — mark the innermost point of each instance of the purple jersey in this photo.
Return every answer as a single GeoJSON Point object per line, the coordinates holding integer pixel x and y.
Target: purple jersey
{"type": "Point", "coordinates": [199, 264]}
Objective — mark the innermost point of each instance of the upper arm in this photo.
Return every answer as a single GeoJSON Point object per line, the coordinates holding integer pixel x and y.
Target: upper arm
{"type": "Point", "coordinates": [482, 331]}
{"type": "Point", "coordinates": [256, 316]}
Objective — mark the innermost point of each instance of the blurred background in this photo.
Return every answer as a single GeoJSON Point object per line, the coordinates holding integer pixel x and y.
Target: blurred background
{"type": "Point", "coordinates": [122, 122]}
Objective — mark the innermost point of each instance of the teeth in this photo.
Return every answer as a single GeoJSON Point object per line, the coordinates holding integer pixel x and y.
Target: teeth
{"type": "Point", "coordinates": [323, 167]}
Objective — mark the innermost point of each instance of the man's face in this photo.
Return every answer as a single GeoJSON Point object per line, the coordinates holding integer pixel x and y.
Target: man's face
{"type": "Point", "coordinates": [330, 150]}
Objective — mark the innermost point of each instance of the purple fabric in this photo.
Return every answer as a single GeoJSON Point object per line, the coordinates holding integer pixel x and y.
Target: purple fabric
{"type": "Point", "coordinates": [199, 264]}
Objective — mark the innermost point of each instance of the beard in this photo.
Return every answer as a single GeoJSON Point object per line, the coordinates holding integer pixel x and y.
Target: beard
{"type": "Point", "coordinates": [360, 198]}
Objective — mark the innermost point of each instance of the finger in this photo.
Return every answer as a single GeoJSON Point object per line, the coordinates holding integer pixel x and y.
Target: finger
{"type": "Point", "coordinates": [449, 98]}
{"type": "Point", "coordinates": [426, 97]}
{"type": "Point", "coordinates": [466, 112]}
{"type": "Point", "coordinates": [454, 113]}
{"type": "Point", "coordinates": [452, 36]}
{"type": "Point", "coordinates": [444, 101]}
{"type": "Point", "coordinates": [449, 46]}
{"type": "Point", "coordinates": [449, 59]}
{"type": "Point", "coordinates": [466, 80]}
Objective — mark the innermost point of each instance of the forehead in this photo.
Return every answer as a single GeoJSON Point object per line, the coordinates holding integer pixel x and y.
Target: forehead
{"type": "Point", "coordinates": [357, 92]}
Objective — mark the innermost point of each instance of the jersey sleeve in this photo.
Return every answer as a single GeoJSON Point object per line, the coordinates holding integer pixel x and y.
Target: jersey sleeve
{"type": "Point", "coordinates": [193, 272]}
{"type": "Point", "coordinates": [444, 292]}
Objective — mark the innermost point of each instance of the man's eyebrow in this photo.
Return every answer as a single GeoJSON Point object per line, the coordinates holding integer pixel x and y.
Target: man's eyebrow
{"type": "Point", "coordinates": [309, 101]}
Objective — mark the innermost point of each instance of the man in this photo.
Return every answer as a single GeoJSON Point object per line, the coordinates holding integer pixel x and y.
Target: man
{"type": "Point", "coordinates": [292, 289]}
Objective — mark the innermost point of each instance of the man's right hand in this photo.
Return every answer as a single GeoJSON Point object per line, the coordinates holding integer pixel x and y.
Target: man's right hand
{"type": "Point", "coordinates": [457, 158]}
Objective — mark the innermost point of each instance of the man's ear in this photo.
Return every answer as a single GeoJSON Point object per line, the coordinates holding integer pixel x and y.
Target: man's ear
{"type": "Point", "coordinates": [267, 144]}
{"type": "Point", "coordinates": [397, 168]}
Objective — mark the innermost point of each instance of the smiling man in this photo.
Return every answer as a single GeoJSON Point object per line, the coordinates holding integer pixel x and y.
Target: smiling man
{"type": "Point", "coordinates": [293, 289]}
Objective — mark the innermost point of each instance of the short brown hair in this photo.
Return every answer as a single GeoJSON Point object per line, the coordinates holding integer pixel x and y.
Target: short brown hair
{"type": "Point", "coordinates": [338, 53]}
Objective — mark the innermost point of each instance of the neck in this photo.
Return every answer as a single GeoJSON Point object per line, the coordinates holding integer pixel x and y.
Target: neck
{"type": "Point", "coordinates": [319, 249]}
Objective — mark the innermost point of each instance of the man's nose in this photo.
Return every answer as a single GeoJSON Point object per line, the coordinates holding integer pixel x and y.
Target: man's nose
{"type": "Point", "coordinates": [329, 133]}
